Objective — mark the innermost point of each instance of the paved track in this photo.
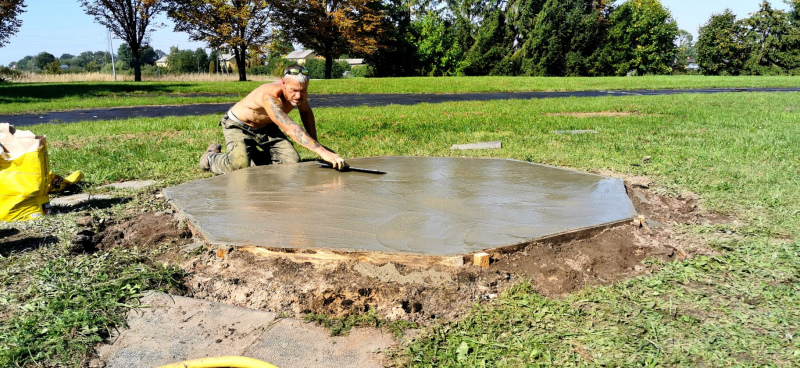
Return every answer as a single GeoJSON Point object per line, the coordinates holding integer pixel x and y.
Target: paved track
{"type": "Point", "coordinates": [345, 101]}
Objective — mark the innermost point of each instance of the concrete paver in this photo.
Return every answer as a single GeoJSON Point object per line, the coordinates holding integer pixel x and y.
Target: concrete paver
{"type": "Point", "coordinates": [174, 328]}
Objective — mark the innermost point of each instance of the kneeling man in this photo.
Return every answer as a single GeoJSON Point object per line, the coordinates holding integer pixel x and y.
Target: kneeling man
{"type": "Point", "coordinates": [254, 128]}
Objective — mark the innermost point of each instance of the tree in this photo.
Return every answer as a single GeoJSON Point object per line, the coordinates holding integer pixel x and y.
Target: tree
{"type": "Point", "coordinates": [492, 44]}
{"type": "Point", "coordinates": [397, 56]}
{"type": "Point", "coordinates": [332, 27]}
{"type": "Point", "coordinates": [42, 59]}
{"type": "Point", "coordinates": [124, 55]}
{"type": "Point", "coordinates": [719, 46]}
{"type": "Point", "coordinates": [641, 38]}
{"type": "Point", "coordinates": [438, 53]}
{"type": "Point", "coordinates": [202, 59]}
{"type": "Point", "coordinates": [65, 57]}
{"type": "Point", "coordinates": [149, 56]}
{"type": "Point", "coordinates": [772, 42]}
{"type": "Point", "coordinates": [225, 24]}
{"type": "Point", "coordinates": [686, 49]}
{"type": "Point", "coordinates": [9, 23]}
{"type": "Point", "coordinates": [182, 61]}
{"type": "Point", "coordinates": [25, 63]}
{"type": "Point", "coordinates": [562, 39]}
{"type": "Point", "coordinates": [129, 20]}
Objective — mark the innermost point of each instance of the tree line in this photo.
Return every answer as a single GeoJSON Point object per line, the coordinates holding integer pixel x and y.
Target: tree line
{"type": "Point", "coordinates": [470, 37]}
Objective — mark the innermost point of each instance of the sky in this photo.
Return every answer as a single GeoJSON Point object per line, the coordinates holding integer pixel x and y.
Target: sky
{"type": "Point", "coordinates": [61, 26]}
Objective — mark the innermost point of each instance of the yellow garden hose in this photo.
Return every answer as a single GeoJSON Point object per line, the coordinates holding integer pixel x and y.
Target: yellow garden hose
{"type": "Point", "coordinates": [218, 362]}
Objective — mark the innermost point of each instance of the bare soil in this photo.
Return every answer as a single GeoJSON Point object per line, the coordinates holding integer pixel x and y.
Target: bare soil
{"type": "Point", "coordinates": [397, 292]}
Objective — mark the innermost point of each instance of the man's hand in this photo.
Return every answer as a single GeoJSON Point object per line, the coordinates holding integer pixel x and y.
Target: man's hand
{"type": "Point", "coordinates": [335, 160]}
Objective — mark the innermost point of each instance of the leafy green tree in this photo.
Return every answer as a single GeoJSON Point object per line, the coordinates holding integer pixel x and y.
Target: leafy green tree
{"type": "Point", "coordinates": [397, 57]}
{"type": "Point", "coordinates": [182, 61]}
{"type": "Point", "coordinates": [149, 56]}
{"type": "Point", "coordinates": [719, 47]}
{"type": "Point", "coordinates": [213, 63]}
{"type": "Point", "coordinates": [687, 50]}
{"type": "Point", "coordinates": [130, 20]}
{"type": "Point", "coordinates": [332, 27]}
{"type": "Point", "coordinates": [66, 57]}
{"type": "Point", "coordinates": [772, 42]}
{"type": "Point", "coordinates": [202, 59]}
{"type": "Point", "coordinates": [53, 67]}
{"type": "Point", "coordinates": [492, 44]}
{"type": "Point", "coordinates": [438, 53]}
{"type": "Point", "coordinates": [124, 55]}
{"type": "Point", "coordinates": [25, 63]}
{"type": "Point", "coordinates": [563, 39]}
{"type": "Point", "coordinates": [641, 38]}
{"type": "Point", "coordinates": [42, 59]}
{"type": "Point", "coordinates": [236, 25]}
{"type": "Point", "coordinates": [9, 23]}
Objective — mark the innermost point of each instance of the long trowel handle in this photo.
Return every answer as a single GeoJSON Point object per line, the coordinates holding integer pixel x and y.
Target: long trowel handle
{"type": "Point", "coordinates": [356, 169]}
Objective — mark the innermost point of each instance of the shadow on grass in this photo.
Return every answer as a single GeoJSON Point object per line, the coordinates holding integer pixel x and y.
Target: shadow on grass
{"type": "Point", "coordinates": [50, 91]}
{"type": "Point", "coordinates": [12, 241]}
{"type": "Point", "coordinates": [98, 204]}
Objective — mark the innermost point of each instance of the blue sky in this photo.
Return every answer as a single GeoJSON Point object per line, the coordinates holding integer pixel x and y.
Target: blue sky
{"type": "Point", "coordinates": [61, 26]}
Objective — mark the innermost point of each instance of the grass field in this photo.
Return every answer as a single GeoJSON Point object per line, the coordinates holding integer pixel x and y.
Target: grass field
{"type": "Point", "coordinates": [16, 98]}
{"type": "Point", "coordinates": [739, 152]}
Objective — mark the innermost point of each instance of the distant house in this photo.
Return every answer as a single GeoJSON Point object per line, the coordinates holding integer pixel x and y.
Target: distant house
{"type": "Point", "coordinates": [691, 64]}
{"type": "Point", "coordinates": [162, 62]}
{"type": "Point", "coordinates": [227, 61]}
{"type": "Point", "coordinates": [64, 66]}
{"type": "Point", "coordinates": [352, 62]}
{"type": "Point", "coordinates": [300, 56]}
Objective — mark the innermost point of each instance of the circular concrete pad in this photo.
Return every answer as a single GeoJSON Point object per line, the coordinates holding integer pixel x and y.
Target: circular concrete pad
{"type": "Point", "coordinates": [423, 205]}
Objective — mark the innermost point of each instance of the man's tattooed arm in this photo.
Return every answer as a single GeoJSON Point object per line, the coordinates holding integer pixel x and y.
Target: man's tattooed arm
{"type": "Point", "coordinates": [292, 129]}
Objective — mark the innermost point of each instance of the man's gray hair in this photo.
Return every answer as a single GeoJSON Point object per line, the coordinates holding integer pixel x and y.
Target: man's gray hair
{"type": "Point", "coordinates": [296, 72]}
{"type": "Point", "coordinates": [299, 78]}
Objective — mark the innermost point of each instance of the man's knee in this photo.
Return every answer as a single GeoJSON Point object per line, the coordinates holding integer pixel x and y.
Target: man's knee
{"type": "Point", "coordinates": [284, 153]}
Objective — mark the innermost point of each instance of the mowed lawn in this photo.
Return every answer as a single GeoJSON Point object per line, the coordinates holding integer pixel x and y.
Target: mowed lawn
{"type": "Point", "coordinates": [740, 152]}
{"type": "Point", "coordinates": [19, 98]}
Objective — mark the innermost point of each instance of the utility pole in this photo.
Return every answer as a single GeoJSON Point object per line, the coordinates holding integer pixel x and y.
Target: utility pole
{"type": "Point", "coordinates": [111, 46]}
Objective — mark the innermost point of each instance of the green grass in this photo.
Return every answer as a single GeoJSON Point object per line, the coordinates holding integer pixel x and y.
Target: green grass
{"type": "Point", "coordinates": [16, 98]}
{"type": "Point", "coordinates": [740, 152]}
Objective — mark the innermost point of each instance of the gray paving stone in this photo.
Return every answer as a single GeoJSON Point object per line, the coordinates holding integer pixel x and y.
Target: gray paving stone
{"type": "Point", "coordinates": [130, 184]}
{"type": "Point", "coordinates": [75, 199]}
{"type": "Point", "coordinates": [173, 329]}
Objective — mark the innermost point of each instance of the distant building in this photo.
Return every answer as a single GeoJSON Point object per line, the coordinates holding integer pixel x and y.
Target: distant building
{"type": "Point", "coordinates": [352, 62]}
{"type": "Point", "coordinates": [162, 62]}
{"type": "Point", "coordinates": [227, 61]}
{"type": "Point", "coordinates": [300, 56]}
{"type": "Point", "coordinates": [64, 66]}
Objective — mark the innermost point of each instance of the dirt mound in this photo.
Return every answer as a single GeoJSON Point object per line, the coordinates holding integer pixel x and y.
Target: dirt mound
{"type": "Point", "coordinates": [394, 291]}
{"type": "Point", "coordinates": [145, 231]}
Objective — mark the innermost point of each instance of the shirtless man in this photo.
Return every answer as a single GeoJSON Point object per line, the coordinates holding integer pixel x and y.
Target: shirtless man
{"type": "Point", "coordinates": [254, 128]}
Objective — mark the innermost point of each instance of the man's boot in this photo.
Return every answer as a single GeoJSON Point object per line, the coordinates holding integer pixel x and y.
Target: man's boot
{"type": "Point", "coordinates": [212, 148]}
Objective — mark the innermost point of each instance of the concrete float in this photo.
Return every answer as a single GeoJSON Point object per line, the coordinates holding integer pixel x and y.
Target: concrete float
{"type": "Point", "coordinates": [424, 211]}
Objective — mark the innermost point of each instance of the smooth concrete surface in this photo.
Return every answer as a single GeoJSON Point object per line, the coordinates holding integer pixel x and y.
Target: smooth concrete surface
{"type": "Point", "coordinates": [423, 205]}
{"type": "Point", "coordinates": [172, 329]}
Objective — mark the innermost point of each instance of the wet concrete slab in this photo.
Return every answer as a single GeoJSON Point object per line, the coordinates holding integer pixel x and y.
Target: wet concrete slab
{"type": "Point", "coordinates": [423, 205]}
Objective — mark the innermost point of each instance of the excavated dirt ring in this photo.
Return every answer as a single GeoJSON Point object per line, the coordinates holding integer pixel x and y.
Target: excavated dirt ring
{"type": "Point", "coordinates": [555, 266]}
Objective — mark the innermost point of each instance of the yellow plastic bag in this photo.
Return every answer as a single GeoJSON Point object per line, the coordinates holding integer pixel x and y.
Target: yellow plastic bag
{"type": "Point", "coordinates": [24, 172]}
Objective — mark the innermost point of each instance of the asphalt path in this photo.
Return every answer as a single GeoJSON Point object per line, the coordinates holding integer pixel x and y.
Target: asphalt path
{"type": "Point", "coordinates": [351, 100]}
